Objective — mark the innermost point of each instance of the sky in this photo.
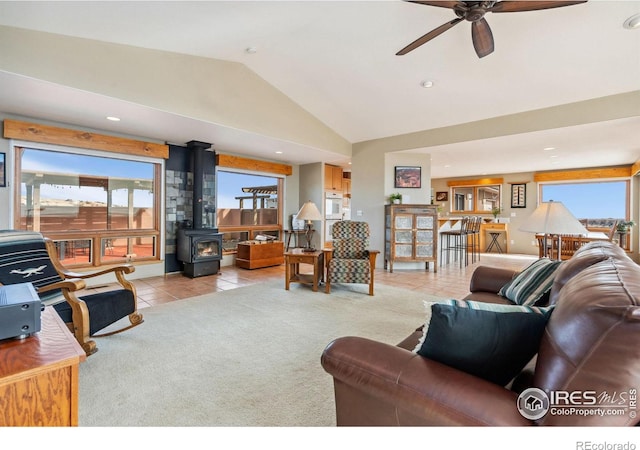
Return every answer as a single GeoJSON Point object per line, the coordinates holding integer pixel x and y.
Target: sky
{"type": "Point", "coordinates": [74, 164]}
{"type": "Point", "coordinates": [230, 185]}
{"type": "Point", "coordinates": [584, 200]}
{"type": "Point", "coordinates": [598, 200]}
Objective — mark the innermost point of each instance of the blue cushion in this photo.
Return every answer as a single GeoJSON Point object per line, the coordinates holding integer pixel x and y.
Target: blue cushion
{"type": "Point", "coordinates": [491, 341]}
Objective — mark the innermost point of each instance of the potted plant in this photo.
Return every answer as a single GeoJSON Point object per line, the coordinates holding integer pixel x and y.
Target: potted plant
{"type": "Point", "coordinates": [495, 211]}
{"type": "Point", "coordinates": [623, 226]}
{"type": "Point", "coordinates": [395, 198]}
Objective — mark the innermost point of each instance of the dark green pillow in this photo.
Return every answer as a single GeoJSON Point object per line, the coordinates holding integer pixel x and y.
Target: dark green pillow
{"type": "Point", "coordinates": [490, 341]}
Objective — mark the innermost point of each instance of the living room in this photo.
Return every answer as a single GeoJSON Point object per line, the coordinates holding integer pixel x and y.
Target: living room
{"type": "Point", "coordinates": [584, 95]}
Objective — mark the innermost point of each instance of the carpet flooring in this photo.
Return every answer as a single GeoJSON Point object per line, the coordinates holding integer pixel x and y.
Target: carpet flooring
{"type": "Point", "coordinates": [244, 357]}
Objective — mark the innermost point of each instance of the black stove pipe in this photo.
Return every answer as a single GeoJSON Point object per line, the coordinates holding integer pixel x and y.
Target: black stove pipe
{"type": "Point", "coordinates": [198, 150]}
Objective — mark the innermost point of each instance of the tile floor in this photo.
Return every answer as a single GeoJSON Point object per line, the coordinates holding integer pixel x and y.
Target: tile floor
{"type": "Point", "coordinates": [449, 281]}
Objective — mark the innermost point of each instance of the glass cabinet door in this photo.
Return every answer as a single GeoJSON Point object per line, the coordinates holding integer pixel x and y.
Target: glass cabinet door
{"type": "Point", "coordinates": [424, 236]}
{"type": "Point", "coordinates": [403, 235]}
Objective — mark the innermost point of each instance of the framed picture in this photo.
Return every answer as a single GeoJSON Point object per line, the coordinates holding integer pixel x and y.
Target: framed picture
{"type": "Point", "coordinates": [408, 177]}
{"type": "Point", "coordinates": [3, 170]}
{"type": "Point", "coordinates": [442, 196]}
{"type": "Point", "coordinates": [518, 195]}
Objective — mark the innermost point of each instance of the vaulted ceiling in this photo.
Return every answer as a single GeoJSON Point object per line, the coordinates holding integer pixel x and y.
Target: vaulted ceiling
{"type": "Point", "coordinates": [337, 60]}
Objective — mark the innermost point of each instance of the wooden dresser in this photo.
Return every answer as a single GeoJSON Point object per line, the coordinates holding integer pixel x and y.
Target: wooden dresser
{"type": "Point", "coordinates": [39, 376]}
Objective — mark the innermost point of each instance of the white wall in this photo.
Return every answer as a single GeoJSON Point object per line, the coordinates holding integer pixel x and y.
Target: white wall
{"type": "Point", "coordinates": [222, 92]}
{"type": "Point", "coordinates": [372, 180]}
{"type": "Point", "coordinates": [312, 188]}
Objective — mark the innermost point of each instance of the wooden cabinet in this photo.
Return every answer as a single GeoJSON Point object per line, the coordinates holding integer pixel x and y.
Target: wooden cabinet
{"type": "Point", "coordinates": [332, 178]}
{"type": "Point", "coordinates": [411, 235]}
{"type": "Point", "coordinates": [39, 376]}
{"type": "Point", "coordinates": [255, 255]}
{"type": "Point", "coordinates": [346, 187]}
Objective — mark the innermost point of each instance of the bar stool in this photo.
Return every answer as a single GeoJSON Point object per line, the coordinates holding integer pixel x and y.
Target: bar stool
{"type": "Point", "coordinates": [456, 242]}
{"type": "Point", "coordinates": [474, 233]}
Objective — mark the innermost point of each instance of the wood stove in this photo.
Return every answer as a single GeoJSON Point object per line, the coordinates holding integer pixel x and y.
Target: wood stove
{"type": "Point", "coordinates": [199, 248]}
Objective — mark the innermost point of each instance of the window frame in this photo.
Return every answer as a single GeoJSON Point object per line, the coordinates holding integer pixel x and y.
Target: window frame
{"type": "Point", "coordinates": [588, 221]}
{"type": "Point", "coordinates": [475, 188]}
{"type": "Point", "coordinates": [95, 236]}
{"type": "Point", "coordinates": [252, 230]}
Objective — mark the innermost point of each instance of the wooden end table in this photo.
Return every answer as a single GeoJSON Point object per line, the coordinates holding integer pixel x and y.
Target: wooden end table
{"type": "Point", "coordinates": [292, 261]}
{"type": "Point", "coordinates": [39, 376]}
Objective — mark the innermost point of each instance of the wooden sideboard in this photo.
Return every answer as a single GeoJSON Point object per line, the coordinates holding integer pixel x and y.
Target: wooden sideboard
{"type": "Point", "coordinates": [39, 376]}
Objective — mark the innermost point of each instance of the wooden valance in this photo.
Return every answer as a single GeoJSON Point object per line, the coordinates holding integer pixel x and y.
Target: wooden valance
{"type": "Point", "coordinates": [46, 134]}
{"type": "Point", "coordinates": [478, 182]}
{"type": "Point", "coordinates": [583, 174]}
{"type": "Point", "coordinates": [237, 162]}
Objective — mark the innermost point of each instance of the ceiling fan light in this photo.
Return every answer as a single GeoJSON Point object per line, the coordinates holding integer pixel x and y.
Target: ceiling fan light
{"type": "Point", "coordinates": [633, 22]}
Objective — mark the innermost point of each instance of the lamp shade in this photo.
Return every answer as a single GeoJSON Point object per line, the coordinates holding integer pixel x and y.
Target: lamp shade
{"type": "Point", "coordinates": [553, 218]}
{"type": "Point", "coordinates": [309, 211]}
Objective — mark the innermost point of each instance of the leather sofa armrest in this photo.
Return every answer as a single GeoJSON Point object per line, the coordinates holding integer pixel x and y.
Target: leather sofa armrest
{"type": "Point", "coordinates": [490, 279]}
{"type": "Point", "coordinates": [421, 391]}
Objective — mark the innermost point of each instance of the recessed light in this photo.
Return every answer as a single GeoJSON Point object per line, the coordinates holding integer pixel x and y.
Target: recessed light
{"type": "Point", "coordinates": [548, 149]}
{"type": "Point", "coordinates": [278, 152]}
{"type": "Point", "coordinates": [113, 118]}
{"type": "Point", "coordinates": [251, 50]}
{"type": "Point", "coordinates": [427, 84]}
{"type": "Point", "coordinates": [632, 23]}
{"type": "Point", "coordinates": [447, 165]}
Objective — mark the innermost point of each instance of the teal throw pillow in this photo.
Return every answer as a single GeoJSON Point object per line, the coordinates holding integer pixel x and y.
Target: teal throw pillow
{"type": "Point", "coordinates": [490, 341]}
{"type": "Point", "coordinates": [532, 283]}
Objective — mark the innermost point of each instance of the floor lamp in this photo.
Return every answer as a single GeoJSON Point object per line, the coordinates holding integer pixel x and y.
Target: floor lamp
{"type": "Point", "coordinates": [308, 213]}
{"type": "Point", "coordinates": [553, 218]}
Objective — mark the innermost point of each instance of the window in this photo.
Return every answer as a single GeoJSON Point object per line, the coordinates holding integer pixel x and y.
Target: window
{"type": "Point", "coordinates": [476, 199]}
{"type": "Point", "coordinates": [247, 205]}
{"type": "Point", "coordinates": [590, 200]}
{"type": "Point", "coordinates": [99, 209]}
{"type": "Point", "coordinates": [598, 204]}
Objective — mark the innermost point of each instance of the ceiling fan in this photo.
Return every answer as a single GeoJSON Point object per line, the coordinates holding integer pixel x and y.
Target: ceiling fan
{"type": "Point", "coordinates": [474, 12]}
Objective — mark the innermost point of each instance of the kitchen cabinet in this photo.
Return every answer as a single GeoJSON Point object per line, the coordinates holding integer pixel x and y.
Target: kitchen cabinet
{"type": "Point", "coordinates": [411, 235]}
{"type": "Point", "coordinates": [332, 178]}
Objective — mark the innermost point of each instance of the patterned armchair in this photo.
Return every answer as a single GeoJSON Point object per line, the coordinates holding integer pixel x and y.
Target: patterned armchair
{"type": "Point", "coordinates": [28, 257]}
{"type": "Point", "coordinates": [350, 260]}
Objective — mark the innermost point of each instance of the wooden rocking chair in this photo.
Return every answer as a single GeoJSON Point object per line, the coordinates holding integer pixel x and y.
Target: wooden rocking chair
{"type": "Point", "coordinates": [28, 257]}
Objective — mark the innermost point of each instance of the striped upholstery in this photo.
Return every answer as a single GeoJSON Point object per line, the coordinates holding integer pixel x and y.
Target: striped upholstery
{"type": "Point", "coordinates": [24, 259]}
{"type": "Point", "coordinates": [350, 261]}
{"type": "Point", "coordinates": [532, 283]}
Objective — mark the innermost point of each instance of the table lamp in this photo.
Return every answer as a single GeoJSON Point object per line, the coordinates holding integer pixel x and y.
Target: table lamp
{"type": "Point", "coordinates": [553, 218]}
{"type": "Point", "coordinates": [308, 213]}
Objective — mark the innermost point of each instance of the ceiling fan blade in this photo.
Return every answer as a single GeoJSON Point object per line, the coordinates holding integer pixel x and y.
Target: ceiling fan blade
{"type": "Point", "coordinates": [443, 4]}
{"type": "Point", "coordinates": [517, 6]}
{"type": "Point", "coordinates": [430, 35]}
{"type": "Point", "coordinates": [482, 37]}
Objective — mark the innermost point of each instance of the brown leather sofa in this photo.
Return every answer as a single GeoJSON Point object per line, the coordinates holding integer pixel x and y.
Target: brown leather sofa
{"type": "Point", "coordinates": [590, 349]}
